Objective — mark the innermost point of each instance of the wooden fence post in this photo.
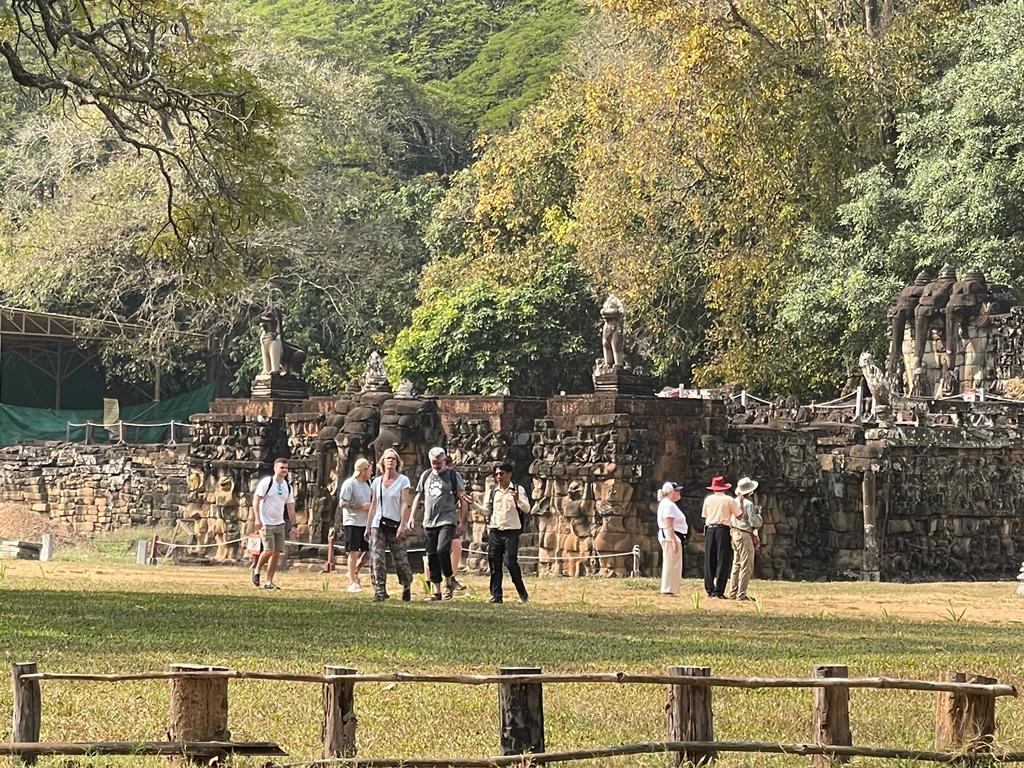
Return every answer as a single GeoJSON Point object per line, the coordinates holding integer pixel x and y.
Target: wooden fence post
{"type": "Point", "coordinates": [199, 706]}
{"type": "Point", "coordinates": [27, 707]}
{"type": "Point", "coordinates": [338, 729]}
{"type": "Point", "coordinates": [689, 716]}
{"type": "Point", "coordinates": [966, 721]}
{"type": "Point", "coordinates": [831, 713]}
{"type": "Point", "coordinates": [520, 713]}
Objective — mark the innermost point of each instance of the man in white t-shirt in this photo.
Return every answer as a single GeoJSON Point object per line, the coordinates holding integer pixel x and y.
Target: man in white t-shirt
{"type": "Point", "coordinates": [271, 500]}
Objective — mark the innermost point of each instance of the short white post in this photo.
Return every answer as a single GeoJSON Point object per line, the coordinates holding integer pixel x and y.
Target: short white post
{"type": "Point", "coordinates": [859, 411]}
{"type": "Point", "coordinates": [1020, 579]}
{"type": "Point", "coordinates": [743, 398]}
{"type": "Point", "coordinates": [46, 551]}
{"type": "Point", "coordinates": [636, 562]}
{"type": "Point", "coordinates": [142, 552]}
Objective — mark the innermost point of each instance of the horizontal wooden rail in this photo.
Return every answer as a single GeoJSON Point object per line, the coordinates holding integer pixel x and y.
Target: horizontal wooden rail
{"type": "Point", "coordinates": [653, 747]}
{"type": "Point", "coordinates": [196, 749]}
{"type": "Point", "coordinates": [998, 689]}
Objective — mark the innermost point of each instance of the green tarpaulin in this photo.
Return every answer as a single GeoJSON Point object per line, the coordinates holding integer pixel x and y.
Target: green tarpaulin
{"type": "Point", "coordinates": [25, 425]}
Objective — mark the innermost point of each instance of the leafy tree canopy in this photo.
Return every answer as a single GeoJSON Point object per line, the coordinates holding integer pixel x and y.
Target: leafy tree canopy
{"type": "Point", "coordinates": [955, 193]}
{"type": "Point", "coordinates": [685, 158]}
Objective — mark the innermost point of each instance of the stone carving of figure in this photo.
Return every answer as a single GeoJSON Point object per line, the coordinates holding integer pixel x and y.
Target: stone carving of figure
{"type": "Point", "coordinates": [375, 378]}
{"type": "Point", "coordinates": [877, 384]}
{"type": "Point", "coordinates": [966, 300]}
{"type": "Point", "coordinates": [900, 314]}
{"type": "Point", "coordinates": [279, 357]}
{"type": "Point", "coordinates": [930, 308]}
{"type": "Point", "coordinates": [612, 339]}
{"type": "Point", "coordinates": [575, 544]}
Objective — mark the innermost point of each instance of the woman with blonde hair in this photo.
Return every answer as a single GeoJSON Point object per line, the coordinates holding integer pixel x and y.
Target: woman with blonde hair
{"type": "Point", "coordinates": [354, 508]}
{"type": "Point", "coordinates": [388, 523]}
{"type": "Point", "coordinates": [672, 531]}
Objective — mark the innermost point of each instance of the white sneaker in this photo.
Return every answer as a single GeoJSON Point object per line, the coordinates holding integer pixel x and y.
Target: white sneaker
{"type": "Point", "coordinates": [354, 587]}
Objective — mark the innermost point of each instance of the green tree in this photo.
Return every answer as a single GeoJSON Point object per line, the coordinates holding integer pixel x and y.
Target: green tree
{"type": "Point", "coordinates": [955, 193]}
{"type": "Point", "coordinates": [78, 204]}
{"type": "Point", "coordinates": [534, 335]}
{"type": "Point", "coordinates": [166, 86]}
{"type": "Point", "coordinates": [704, 142]}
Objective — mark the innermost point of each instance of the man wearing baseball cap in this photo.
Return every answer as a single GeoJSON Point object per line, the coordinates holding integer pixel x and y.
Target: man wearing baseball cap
{"type": "Point", "coordinates": [718, 511]}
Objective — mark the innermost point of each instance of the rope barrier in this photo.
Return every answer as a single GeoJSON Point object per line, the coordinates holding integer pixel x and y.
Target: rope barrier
{"type": "Point", "coordinates": [174, 545]}
{"type": "Point", "coordinates": [587, 558]}
{"type": "Point", "coordinates": [840, 399]}
{"type": "Point", "coordinates": [131, 424]}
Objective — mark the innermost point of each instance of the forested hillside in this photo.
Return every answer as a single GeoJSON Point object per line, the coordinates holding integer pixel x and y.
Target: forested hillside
{"type": "Point", "coordinates": [366, 108]}
{"type": "Point", "coordinates": [460, 183]}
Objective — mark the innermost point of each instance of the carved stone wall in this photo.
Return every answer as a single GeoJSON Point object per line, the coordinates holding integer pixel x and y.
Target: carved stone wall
{"type": "Point", "coordinates": [480, 432]}
{"type": "Point", "coordinates": [598, 461]}
{"type": "Point", "coordinates": [97, 488]}
{"type": "Point", "coordinates": [953, 500]}
{"type": "Point", "coordinates": [813, 526]}
{"type": "Point", "coordinates": [944, 500]}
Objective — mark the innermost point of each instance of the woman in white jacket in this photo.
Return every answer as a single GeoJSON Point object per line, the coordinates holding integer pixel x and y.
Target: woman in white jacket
{"type": "Point", "coordinates": [672, 531]}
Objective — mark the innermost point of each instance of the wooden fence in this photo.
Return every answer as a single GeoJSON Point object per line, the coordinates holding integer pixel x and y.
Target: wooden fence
{"type": "Point", "coordinates": [198, 715]}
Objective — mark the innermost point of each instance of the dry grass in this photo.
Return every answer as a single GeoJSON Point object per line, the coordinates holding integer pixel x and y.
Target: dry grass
{"type": "Point", "coordinates": [81, 616]}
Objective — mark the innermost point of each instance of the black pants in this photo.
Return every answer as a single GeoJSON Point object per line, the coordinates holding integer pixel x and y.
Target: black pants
{"type": "Point", "coordinates": [439, 552]}
{"type": "Point", "coordinates": [503, 546]}
{"type": "Point", "coordinates": [717, 559]}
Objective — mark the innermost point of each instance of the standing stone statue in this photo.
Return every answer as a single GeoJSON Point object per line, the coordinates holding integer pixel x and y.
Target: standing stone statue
{"type": "Point", "coordinates": [877, 384]}
{"type": "Point", "coordinates": [901, 314]}
{"type": "Point", "coordinates": [279, 357]}
{"type": "Point", "coordinates": [612, 334]}
{"type": "Point", "coordinates": [614, 372]}
{"type": "Point", "coordinates": [375, 378]}
{"type": "Point", "coordinates": [930, 313]}
{"type": "Point", "coordinates": [282, 362]}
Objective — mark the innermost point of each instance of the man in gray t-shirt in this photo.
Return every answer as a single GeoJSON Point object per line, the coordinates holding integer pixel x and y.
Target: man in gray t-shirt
{"type": "Point", "coordinates": [443, 493]}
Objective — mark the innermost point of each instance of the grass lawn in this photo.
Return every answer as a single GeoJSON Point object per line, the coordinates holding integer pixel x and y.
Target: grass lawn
{"type": "Point", "coordinates": [109, 617]}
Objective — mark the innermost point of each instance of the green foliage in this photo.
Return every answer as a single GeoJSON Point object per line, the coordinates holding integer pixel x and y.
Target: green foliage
{"type": "Point", "coordinates": [687, 163]}
{"type": "Point", "coordinates": [482, 62]}
{"type": "Point", "coordinates": [167, 86]}
{"type": "Point", "coordinates": [533, 334]}
{"type": "Point", "coordinates": [956, 194]}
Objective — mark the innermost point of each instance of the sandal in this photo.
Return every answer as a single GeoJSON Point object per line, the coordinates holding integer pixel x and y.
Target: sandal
{"type": "Point", "coordinates": [433, 597]}
{"type": "Point", "coordinates": [446, 594]}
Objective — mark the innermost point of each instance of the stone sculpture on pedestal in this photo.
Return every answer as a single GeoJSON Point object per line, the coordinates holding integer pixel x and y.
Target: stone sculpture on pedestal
{"type": "Point", "coordinates": [375, 378]}
{"type": "Point", "coordinates": [282, 362]}
{"type": "Point", "coordinates": [613, 371]}
{"type": "Point", "coordinates": [878, 386]}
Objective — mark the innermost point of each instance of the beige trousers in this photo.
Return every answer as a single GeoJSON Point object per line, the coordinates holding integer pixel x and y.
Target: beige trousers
{"type": "Point", "coordinates": [742, 563]}
{"type": "Point", "coordinates": [671, 566]}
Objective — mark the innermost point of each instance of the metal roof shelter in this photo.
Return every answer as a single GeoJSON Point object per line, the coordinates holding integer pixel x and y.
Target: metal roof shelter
{"type": "Point", "coordinates": [48, 344]}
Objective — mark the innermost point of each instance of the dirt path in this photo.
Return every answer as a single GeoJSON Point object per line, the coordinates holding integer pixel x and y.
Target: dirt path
{"type": "Point", "coordinates": [988, 602]}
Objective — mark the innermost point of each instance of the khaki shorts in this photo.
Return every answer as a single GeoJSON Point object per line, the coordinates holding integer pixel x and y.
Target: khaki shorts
{"type": "Point", "coordinates": [273, 537]}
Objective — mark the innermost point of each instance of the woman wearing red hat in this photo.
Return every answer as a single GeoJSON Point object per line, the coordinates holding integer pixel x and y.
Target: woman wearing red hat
{"type": "Point", "coordinates": [718, 511]}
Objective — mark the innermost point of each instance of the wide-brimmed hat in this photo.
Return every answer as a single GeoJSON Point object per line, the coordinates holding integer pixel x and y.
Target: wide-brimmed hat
{"type": "Point", "coordinates": [669, 486]}
{"type": "Point", "coordinates": [745, 486]}
{"type": "Point", "coordinates": [718, 484]}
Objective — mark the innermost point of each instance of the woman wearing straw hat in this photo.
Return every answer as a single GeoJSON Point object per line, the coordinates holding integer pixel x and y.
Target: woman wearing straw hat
{"type": "Point", "coordinates": [743, 535]}
{"type": "Point", "coordinates": [718, 511]}
{"type": "Point", "coordinates": [672, 530]}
